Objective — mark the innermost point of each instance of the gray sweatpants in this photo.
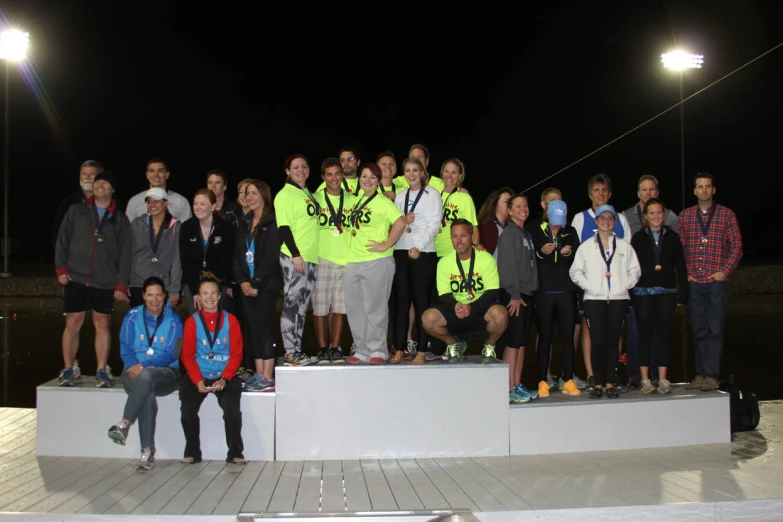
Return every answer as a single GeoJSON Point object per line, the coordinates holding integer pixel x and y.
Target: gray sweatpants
{"type": "Point", "coordinates": [367, 288]}
{"type": "Point", "coordinates": [297, 289]}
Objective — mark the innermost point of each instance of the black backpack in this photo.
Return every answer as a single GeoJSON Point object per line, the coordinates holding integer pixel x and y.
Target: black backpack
{"type": "Point", "coordinates": [744, 407]}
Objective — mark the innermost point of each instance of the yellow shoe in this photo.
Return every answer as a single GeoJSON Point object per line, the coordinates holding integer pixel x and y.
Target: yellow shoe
{"type": "Point", "coordinates": [543, 389]}
{"type": "Point", "coordinates": [570, 388]}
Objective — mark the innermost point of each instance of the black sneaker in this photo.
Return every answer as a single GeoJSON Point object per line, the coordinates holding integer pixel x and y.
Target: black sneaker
{"type": "Point", "coordinates": [336, 355]}
{"type": "Point", "coordinates": [323, 356]}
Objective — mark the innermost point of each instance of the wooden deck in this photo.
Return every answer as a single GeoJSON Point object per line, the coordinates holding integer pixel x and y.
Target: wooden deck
{"type": "Point", "coordinates": [751, 467]}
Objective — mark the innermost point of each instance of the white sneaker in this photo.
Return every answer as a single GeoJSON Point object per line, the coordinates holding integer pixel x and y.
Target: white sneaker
{"type": "Point", "coordinates": [581, 384]}
{"type": "Point", "coordinates": [411, 347]}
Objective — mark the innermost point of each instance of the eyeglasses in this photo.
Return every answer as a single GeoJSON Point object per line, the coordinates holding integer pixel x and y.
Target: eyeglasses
{"type": "Point", "coordinates": [347, 160]}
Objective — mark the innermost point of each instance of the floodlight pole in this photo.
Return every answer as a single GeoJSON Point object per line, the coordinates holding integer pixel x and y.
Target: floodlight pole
{"type": "Point", "coordinates": [6, 245]}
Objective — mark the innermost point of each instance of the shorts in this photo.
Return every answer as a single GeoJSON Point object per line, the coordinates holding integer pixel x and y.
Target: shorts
{"type": "Point", "coordinates": [81, 298]}
{"type": "Point", "coordinates": [518, 330]}
{"type": "Point", "coordinates": [473, 323]}
{"type": "Point", "coordinates": [329, 288]}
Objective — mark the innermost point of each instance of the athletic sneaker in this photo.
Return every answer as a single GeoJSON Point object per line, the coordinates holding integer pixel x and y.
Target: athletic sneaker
{"type": "Point", "coordinates": [552, 383]}
{"type": "Point", "coordinates": [589, 382]}
{"type": "Point", "coordinates": [259, 383]}
{"type": "Point", "coordinates": [515, 397]}
{"type": "Point", "coordinates": [647, 387]}
{"type": "Point", "coordinates": [147, 460]}
{"type": "Point", "coordinates": [336, 355]}
{"type": "Point", "coordinates": [119, 433]}
{"type": "Point", "coordinates": [543, 389]}
{"type": "Point", "coordinates": [431, 357]}
{"type": "Point", "coordinates": [411, 347]}
{"type": "Point", "coordinates": [580, 384]}
{"type": "Point", "coordinates": [65, 379]}
{"type": "Point", "coordinates": [77, 371]}
{"type": "Point", "coordinates": [521, 390]}
{"type": "Point", "coordinates": [103, 380]}
{"type": "Point", "coordinates": [664, 386]}
{"type": "Point", "coordinates": [570, 388]}
{"type": "Point", "coordinates": [456, 352]}
{"type": "Point", "coordinates": [244, 375]}
{"type": "Point", "coordinates": [377, 361]}
{"type": "Point", "coordinates": [488, 353]}
{"type": "Point", "coordinates": [297, 358]}
{"type": "Point", "coordinates": [353, 348]}
{"type": "Point", "coordinates": [323, 356]}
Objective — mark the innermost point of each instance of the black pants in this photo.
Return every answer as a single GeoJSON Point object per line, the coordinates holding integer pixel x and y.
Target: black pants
{"type": "Point", "coordinates": [413, 281]}
{"type": "Point", "coordinates": [605, 321]}
{"type": "Point", "coordinates": [551, 308]}
{"type": "Point", "coordinates": [228, 399]}
{"type": "Point", "coordinates": [258, 326]}
{"type": "Point", "coordinates": [654, 315]}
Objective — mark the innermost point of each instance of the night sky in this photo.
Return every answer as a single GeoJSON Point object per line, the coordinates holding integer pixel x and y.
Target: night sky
{"type": "Point", "coordinates": [516, 94]}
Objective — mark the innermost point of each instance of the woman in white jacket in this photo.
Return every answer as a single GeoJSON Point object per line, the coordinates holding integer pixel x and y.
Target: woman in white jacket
{"type": "Point", "coordinates": [605, 267]}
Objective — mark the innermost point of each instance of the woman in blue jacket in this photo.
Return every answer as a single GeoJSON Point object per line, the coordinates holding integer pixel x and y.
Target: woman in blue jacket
{"type": "Point", "coordinates": [151, 340]}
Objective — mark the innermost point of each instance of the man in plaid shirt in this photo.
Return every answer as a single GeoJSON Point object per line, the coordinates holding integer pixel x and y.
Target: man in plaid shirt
{"type": "Point", "coordinates": [712, 243]}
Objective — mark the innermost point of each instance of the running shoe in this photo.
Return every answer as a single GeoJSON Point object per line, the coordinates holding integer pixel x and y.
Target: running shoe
{"type": "Point", "coordinates": [431, 357]}
{"type": "Point", "coordinates": [589, 382]}
{"type": "Point", "coordinates": [353, 360]}
{"type": "Point", "coordinates": [647, 387]}
{"type": "Point", "coordinates": [521, 390]}
{"type": "Point", "coordinates": [147, 460]}
{"type": "Point", "coordinates": [552, 383]}
{"type": "Point", "coordinates": [664, 386]}
{"type": "Point", "coordinates": [543, 389]}
{"type": "Point", "coordinates": [580, 384]}
{"type": "Point", "coordinates": [456, 351]}
{"type": "Point", "coordinates": [570, 388]}
{"type": "Point", "coordinates": [77, 371]}
{"type": "Point", "coordinates": [297, 358]}
{"type": "Point", "coordinates": [65, 379]}
{"type": "Point", "coordinates": [412, 347]}
{"type": "Point", "coordinates": [336, 355]}
{"type": "Point", "coordinates": [103, 380]}
{"type": "Point", "coordinates": [244, 375]}
{"type": "Point", "coordinates": [375, 361]}
{"type": "Point", "coordinates": [488, 353]}
{"type": "Point", "coordinates": [119, 433]}
{"type": "Point", "coordinates": [514, 397]}
{"type": "Point", "coordinates": [323, 356]}
{"type": "Point", "coordinates": [258, 383]}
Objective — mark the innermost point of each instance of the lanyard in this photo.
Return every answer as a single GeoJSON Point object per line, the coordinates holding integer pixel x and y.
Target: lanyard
{"type": "Point", "coordinates": [705, 227]}
{"type": "Point", "coordinates": [415, 201]}
{"type": "Point", "coordinates": [607, 257]}
{"type": "Point", "coordinates": [443, 218]}
{"type": "Point", "coordinates": [213, 338]}
{"type": "Point", "coordinates": [336, 216]}
{"type": "Point", "coordinates": [99, 222]}
{"type": "Point", "coordinates": [158, 322]}
{"type": "Point", "coordinates": [205, 244]}
{"type": "Point", "coordinates": [529, 240]}
{"type": "Point", "coordinates": [383, 189]}
{"type": "Point", "coordinates": [309, 195]}
{"type": "Point", "coordinates": [498, 223]}
{"type": "Point", "coordinates": [155, 239]}
{"type": "Point", "coordinates": [355, 213]}
{"type": "Point", "coordinates": [250, 254]}
{"type": "Point", "coordinates": [469, 279]}
{"type": "Point", "coordinates": [657, 246]}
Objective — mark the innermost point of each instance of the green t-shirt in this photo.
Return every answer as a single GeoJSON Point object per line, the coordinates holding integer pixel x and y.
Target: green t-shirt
{"type": "Point", "coordinates": [401, 183]}
{"type": "Point", "coordinates": [295, 208]}
{"type": "Point", "coordinates": [352, 184]}
{"type": "Point", "coordinates": [485, 276]}
{"type": "Point", "coordinates": [372, 222]}
{"type": "Point", "coordinates": [330, 247]}
{"type": "Point", "coordinates": [455, 205]}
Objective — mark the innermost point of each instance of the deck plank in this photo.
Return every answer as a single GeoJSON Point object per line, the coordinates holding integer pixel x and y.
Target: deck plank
{"type": "Point", "coordinates": [308, 498]}
{"type": "Point", "coordinates": [500, 468]}
{"type": "Point", "coordinates": [381, 497]}
{"type": "Point", "coordinates": [428, 492]}
{"type": "Point", "coordinates": [146, 487]}
{"type": "Point", "coordinates": [357, 496]}
{"type": "Point", "coordinates": [18, 446]}
{"type": "Point", "coordinates": [163, 495]}
{"type": "Point", "coordinates": [238, 493]}
{"type": "Point", "coordinates": [51, 478]}
{"type": "Point", "coordinates": [405, 494]}
{"type": "Point", "coordinates": [184, 499]}
{"type": "Point", "coordinates": [208, 501]}
{"type": "Point", "coordinates": [95, 491]}
{"type": "Point", "coordinates": [261, 494]}
{"type": "Point", "coordinates": [496, 488]}
{"type": "Point", "coordinates": [332, 490]}
{"type": "Point", "coordinates": [284, 496]}
{"type": "Point", "coordinates": [132, 480]}
{"type": "Point", "coordinates": [477, 493]}
{"type": "Point", "coordinates": [451, 490]}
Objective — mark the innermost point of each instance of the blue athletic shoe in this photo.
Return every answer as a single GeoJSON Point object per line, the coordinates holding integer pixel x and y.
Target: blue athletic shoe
{"type": "Point", "coordinates": [103, 379]}
{"type": "Point", "coordinates": [516, 397]}
{"type": "Point", "coordinates": [258, 383]}
{"type": "Point", "coordinates": [66, 378]}
{"type": "Point", "coordinates": [521, 390]}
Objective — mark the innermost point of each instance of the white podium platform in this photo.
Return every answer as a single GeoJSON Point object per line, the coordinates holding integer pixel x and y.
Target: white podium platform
{"type": "Point", "coordinates": [561, 424]}
{"type": "Point", "coordinates": [392, 411]}
{"type": "Point", "coordinates": [74, 422]}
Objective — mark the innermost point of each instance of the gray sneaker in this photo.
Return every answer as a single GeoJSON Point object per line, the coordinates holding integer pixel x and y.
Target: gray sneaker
{"type": "Point", "coordinates": [103, 379]}
{"type": "Point", "coordinates": [65, 379]}
{"type": "Point", "coordinates": [553, 385]}
{"type": "Point", "coordinates": [580, 383]}
{"type": "Point", "coordinates": [430, 357]}
{"type": "Point", "coordinates": [77, 371]}
{"type": "Point", "coordinates": [456, 352]}
{"type": "Point", "coordinates": [647, 387]}
{"type": "Point", "coordinates": [147, 460]}
{"type": "Point", "coordinates": [119, 433]}
{"type": "Point", "coordinates": [695, 384]}
{"type": "Point", "coordinates": [664, 386]}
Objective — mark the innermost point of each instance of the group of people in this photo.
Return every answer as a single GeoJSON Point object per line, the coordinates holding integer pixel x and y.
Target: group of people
{"type": "Point", "coordinates": [404, 257]}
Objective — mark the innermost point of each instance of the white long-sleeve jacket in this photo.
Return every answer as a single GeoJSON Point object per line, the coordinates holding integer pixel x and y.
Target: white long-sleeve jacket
{"type": "Point", "coordinates": [589, 270]}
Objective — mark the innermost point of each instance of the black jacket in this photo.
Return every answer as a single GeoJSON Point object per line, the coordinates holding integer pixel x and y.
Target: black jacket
{"type": "Point", "coordinates": [220, 252]}
{"type": "Point", "coordinates": [673, 273]}
{"type": "Point", "coordinates": [553, 269]}
{"type": "Point", "coordinates": [268, 273]}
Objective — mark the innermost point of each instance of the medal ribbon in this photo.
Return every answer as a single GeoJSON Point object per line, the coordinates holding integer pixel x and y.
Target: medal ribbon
{"type": "Point", "coordinates": [443, 217]}
{"type": "Point", "coordinates": [607, 257]}
{"type": "Point", "coordinates": [155, 239]}
{"type": "Point", "coordinates": [158, 322]}
{"type": "Point", "coordinates": [355, 213]}
{"type": "Point", "coordinates": [469, 279]}
{"type": "Point", "coordinates": [415, 201]}
{"type": "Point", "coordinates": [205, 244]}
{"type": "Point", "coordinates": [657, 245]}
{"type": "Point", "coordinates": [309, 195]}
{"type": "Point", "coordinates": [99, 222]}
{"type": "Point", "coordinates": [705, 227]}
{"type": "Point", "coordinates": [337, 217]}
{"type": "Point", "coordinates": [211, 339]}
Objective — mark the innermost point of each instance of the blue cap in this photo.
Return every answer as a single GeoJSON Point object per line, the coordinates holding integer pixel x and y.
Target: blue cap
{"type": "Point", "coordinates": [605, 208]}
{"type": "Point", "coordinates": [557, 212]}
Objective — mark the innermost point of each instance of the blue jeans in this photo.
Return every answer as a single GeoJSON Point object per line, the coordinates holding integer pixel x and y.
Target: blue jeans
{"type": "Point", "coordinates": [142, 403]}
{"type": "Point", "coordinates": [707, 313]}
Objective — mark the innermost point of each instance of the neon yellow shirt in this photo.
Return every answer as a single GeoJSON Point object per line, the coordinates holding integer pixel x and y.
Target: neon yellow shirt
{"type": "Point", "coordinates": [330, 247]}
{"type": "Point", "coordinates": [455, 205]}
{"type": "Point", "coordinates": [485, 276]}
{"type": "Point", "coordinates": [401, 183]}
{"type": "Point", "coordinates": [353, 185]}
{"type": "Point", "coordinates": [295, 208]}
{"type": "Point", "coordinates": [372, 222]}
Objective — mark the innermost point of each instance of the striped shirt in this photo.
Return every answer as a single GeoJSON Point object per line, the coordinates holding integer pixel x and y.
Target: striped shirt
{"type": "Point", "coordinates": [722, 250]}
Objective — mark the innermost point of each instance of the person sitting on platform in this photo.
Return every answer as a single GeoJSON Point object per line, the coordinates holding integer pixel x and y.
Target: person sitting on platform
{"type": "Point", "coordinates": [211, 354]}
{"type": "Point", "coordinates": [150, 340]}
{"type": "Point", "coordinates": [468, 286]}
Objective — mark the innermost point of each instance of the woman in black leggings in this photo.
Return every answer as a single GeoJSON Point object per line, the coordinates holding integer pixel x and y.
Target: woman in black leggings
{"type": "Point", "coordinates": [555, 243]}
{"type": "Point", "coordinates": [655, 295]}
